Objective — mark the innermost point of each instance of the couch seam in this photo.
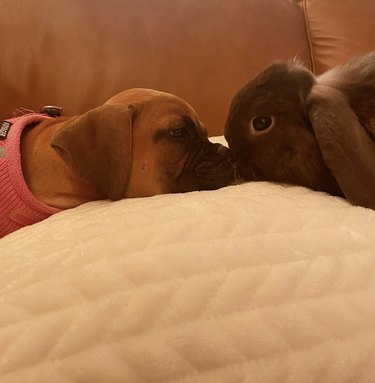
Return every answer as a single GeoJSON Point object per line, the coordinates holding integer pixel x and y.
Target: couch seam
{"type": "Point", "coordinates": [308, 36]}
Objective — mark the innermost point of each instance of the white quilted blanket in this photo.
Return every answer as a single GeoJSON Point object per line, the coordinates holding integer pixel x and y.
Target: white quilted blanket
{"type": "Point", "coordinates": [254, 283]}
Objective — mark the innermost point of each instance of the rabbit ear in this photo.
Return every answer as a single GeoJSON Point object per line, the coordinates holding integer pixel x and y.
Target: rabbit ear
{"type": "Point", "coordinates": [347, 149]}
{"type": "Point", "coordinates": [98, 147]}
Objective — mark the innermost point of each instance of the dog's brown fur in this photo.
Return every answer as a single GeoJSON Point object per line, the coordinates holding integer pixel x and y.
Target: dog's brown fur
{"type": "Point", "coordinates": [124, 148]}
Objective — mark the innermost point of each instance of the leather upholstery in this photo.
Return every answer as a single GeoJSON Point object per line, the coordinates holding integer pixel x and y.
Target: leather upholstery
{"type": "Point", "coordinates": [339, 30]}
{"type": "Point", "coordinates": [78, 53]}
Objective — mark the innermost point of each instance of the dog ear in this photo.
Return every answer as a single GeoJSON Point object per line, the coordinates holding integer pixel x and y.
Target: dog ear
{"type": "Point", "coordinates": [98, 147]}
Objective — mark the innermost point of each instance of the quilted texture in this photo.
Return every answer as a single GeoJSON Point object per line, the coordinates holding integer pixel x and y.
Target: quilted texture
{"type": "Point", "coordinates": [251, 283]}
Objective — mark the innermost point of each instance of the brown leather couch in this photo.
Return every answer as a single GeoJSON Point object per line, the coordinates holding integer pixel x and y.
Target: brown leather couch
{"type": "Point", "coordinates": [78, 53]}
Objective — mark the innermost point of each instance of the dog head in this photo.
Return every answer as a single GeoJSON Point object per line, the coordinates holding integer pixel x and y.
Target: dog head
{"type": "Point", "coordinates": [269, 132]}
{"type": "Point", "coordinates": [143, 142]}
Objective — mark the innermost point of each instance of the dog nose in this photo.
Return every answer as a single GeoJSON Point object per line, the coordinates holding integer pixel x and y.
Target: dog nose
{"type": "Point", "coordinates": [218, 149]}
{"type": "Point", "coordinates": [223, 151]}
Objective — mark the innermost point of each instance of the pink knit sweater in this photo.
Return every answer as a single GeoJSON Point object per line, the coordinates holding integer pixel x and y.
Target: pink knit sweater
{"type": "Point", "coordinates": [18, 206]}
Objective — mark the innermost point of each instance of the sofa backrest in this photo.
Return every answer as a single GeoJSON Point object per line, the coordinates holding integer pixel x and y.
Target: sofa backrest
{"type": "Point", "coordinates": [78, 53]}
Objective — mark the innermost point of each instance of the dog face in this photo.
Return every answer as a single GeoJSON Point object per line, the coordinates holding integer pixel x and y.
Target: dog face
{"type": "Point", "coordinates": [143, 142]}
{"type": "Point", "coordinates": [269, 132]}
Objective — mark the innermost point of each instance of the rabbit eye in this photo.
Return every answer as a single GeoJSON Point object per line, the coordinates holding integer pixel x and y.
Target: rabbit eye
{"type": "Point", "coordinates": [261, 123]}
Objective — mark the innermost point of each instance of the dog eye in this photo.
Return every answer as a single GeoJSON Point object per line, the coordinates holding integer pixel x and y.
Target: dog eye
{"type": "Point", "coordinates": [261, 123]}
{"type": "Point", "coordinates": [178, 132]}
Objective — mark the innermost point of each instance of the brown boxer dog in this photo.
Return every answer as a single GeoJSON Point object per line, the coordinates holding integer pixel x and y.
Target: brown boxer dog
{"type": "Point", "coordinates": [140, 143]}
